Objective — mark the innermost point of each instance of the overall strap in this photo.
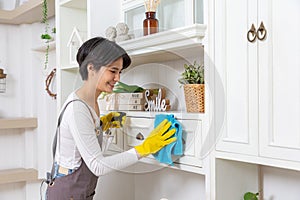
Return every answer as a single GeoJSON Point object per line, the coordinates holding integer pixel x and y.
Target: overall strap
{"type": "Point", "coordinates": [50, 176]}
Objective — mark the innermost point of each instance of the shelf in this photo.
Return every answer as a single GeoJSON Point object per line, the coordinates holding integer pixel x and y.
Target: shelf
{"type": "Point", "coordinates": [167, 45]}
{"type": "Point", "coordinates": [78, 4]}
{"type": "Point", "coordinates": [18, 123]}
{"type": "Point", "coordinates": [177, 114]}
{"type": "Point", "coordinates": [184, 167]}
{"type": "Point", "coordinates": [18, 175]}
{"type": "Point", "coordinates": [27, 13]}
{"type": "Point", "coordinates": [70, 67]}
{"type": "Point", "coordinates": [43, 47]}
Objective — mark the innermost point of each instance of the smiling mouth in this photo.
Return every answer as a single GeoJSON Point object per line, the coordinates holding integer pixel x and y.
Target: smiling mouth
{"type": "Point", "coordinates": [111, 85]}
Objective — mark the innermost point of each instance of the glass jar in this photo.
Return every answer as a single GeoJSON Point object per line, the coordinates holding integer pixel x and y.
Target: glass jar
{"type": "Point", "coordinates": [150, 24]}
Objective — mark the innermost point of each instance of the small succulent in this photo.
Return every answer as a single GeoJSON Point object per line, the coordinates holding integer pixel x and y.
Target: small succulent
{"type": "Point", "coordinates": [193, 74]}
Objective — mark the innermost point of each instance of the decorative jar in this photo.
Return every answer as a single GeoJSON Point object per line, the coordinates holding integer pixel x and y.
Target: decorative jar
{"type": "Point", "coordinates": [150, 24]}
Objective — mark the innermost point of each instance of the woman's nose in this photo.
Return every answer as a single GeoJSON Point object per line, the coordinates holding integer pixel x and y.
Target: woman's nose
{"type": "Point", "coordinates": [117, 77]}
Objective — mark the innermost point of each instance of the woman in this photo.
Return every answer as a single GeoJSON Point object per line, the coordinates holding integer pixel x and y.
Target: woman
{"type": "Point", "coordinates": [78, 159]}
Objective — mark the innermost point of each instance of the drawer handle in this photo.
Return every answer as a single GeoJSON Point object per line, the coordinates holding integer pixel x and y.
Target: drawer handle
{"type": "Point", "coordinates": [139, 136]}
{"type": "Point", "coordinates": [252, 31]}
{"type": "Point", "coordinates": [261, 32]}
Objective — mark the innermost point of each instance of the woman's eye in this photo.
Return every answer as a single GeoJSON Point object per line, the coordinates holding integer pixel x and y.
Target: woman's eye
{"type": "Point", "coordinates": [115, 71]}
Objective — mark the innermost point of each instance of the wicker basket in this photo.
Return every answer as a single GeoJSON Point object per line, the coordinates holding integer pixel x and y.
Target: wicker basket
{"type": "Point", "coordinates": [194, 97]}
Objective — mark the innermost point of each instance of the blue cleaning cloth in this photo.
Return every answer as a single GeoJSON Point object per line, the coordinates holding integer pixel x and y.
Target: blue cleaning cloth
{"type": "Point", "coordinates": [175, 148]}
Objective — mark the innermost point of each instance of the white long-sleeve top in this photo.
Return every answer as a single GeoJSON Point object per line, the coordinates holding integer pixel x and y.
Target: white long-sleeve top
{"type": "Point", "coordinates": [77, 139]}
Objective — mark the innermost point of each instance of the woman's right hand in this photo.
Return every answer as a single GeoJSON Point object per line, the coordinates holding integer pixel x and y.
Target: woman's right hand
{"type": "Point", "coordinates": [157, 139]}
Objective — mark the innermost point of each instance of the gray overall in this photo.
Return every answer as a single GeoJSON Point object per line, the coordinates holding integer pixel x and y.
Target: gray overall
{"type": "Point", "coordinates": [79, 185]}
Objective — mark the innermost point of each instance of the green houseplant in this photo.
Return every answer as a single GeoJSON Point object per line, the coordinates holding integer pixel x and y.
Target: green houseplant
{"type": "Point", "coordinates": [192, 80]}
{"type": "Point", "coordinates": [193, 74]}
{"type": "Point", "coordinates": [46, 35]}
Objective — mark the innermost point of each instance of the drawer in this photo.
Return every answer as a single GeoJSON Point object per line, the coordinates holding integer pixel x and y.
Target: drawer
{"type": "Point", "coordinates": [191, 135]}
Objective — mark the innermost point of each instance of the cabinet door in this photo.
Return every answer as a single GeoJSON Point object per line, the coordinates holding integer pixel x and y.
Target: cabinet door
{"type": "Point", "coordinates": [279, 78]}
{"type": "Point", "coordinates": [236, 65]}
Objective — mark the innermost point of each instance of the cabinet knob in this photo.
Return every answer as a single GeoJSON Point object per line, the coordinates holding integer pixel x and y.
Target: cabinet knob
{"type": "Point", "coordinates": [261, 32]}
{"type": "Point", "coordinates": [139, 136]}
{"type": "Point", "coordinates": [251, 34]}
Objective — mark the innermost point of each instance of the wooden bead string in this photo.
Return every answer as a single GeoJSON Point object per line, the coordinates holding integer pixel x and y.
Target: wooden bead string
{"type": "Point", "coordinates": [48, 82]}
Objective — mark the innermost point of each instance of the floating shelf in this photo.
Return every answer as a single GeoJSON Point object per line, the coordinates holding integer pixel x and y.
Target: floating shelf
{"type": "Point", "coordinates": [29, 12]}
{"type": "Point", "coordinates": [18, 175]}
{"type": "Point", "coordinates": [78, 4]}
{"type": "Point", "coordinates": [43, 47]}
{"type": "Point", "coordinates": [11, 123]}
{"type": "Point", "coordinates": [166, 45]}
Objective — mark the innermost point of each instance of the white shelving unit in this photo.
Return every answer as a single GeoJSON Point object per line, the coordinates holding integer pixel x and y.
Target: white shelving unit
{"type": "Point", "coordinates": [169, 45]}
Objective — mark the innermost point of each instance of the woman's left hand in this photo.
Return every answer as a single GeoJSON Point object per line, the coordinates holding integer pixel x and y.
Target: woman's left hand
{"type": "Point", "coordinates": [113, 120]}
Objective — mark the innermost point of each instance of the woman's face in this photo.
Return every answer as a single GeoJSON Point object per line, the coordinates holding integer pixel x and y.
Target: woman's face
{"type": "Point", "coordinates": [109, 75]}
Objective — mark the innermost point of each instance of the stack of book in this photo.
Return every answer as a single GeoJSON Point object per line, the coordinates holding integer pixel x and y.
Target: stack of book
{"type": "Point", "coordinates": [148, 100]}
{"type": "Point", "coordinates": [126, 101]}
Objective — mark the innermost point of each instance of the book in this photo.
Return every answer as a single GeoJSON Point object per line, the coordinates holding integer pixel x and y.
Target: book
{"type": "Point", "coordinates": [128, 107]}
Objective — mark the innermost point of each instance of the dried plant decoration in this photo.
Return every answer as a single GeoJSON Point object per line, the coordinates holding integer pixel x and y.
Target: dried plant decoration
{"type": "Point", "coordinates": [151, 5]}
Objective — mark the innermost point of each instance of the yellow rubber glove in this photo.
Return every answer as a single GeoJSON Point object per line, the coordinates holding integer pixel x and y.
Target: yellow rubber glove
{"type": "Point", "coordinates": [112, 120]}
{"type": "Point", "coordinates": [157, 139]}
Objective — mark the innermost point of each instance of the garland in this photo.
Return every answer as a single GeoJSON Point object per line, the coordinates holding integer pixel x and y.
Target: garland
{"type": "Point", "coordinates": [48, 82]}
{"type": "Point", "coordinates": [46, 34]}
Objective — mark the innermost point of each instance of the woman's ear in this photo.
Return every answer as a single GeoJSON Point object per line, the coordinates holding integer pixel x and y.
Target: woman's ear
{"type": "Point", "coordinates": [90, 67]}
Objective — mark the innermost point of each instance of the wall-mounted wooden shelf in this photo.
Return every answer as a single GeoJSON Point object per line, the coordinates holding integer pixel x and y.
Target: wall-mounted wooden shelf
{"type": "Point", "coordinates": [43, 47]}
{"type": "Point", "coordinates": [27, 13]}
{"type": "Point", "coordinates": [18, 175]}
{"type": "Point", "coordinates": [77, 4]}
{"type": "Point", "coordinates": [10, 123]}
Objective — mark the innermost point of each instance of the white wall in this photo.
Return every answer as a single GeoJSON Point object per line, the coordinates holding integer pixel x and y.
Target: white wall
{"type": "Point", "coordinates": [25, 97]}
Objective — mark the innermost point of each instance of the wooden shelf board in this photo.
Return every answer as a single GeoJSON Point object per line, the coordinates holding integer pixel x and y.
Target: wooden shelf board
{"type": "Point", "coordinates": [18, 175]}
{"type": "Point", "coordinates": [27, 13]}
{"type": "Point", "coordinates": [10, 123]}
{"type": "Point", "coordinates": [43, 47]}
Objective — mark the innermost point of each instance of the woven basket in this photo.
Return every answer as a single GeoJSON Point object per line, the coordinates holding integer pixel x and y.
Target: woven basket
{"type": "Point", "coordinates": [194, 97]}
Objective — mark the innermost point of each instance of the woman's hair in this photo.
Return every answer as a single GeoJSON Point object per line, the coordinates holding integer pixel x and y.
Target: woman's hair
{"type": "Point", "coordinates": [99, 52]}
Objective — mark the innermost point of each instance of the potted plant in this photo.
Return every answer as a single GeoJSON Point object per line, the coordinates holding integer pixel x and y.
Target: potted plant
{"type": "Point", "coordinates": [46, 36]}
{"type": "Point", "coordinates": [192, 80]}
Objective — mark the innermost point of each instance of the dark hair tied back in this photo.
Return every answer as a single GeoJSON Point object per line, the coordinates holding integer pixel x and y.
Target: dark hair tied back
{"type": "Point", "coordinates": [99, 52]}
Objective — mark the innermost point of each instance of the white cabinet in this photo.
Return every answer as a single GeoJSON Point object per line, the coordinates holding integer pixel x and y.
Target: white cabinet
{"type": "Point", "coordinates": [279, 80]}
{"type": "Point", "coordinates": [191, 137]}
{"type": "Point", "coordinates": [260, 78]}
{"type": "Point", "coordinates": [236, 64]}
